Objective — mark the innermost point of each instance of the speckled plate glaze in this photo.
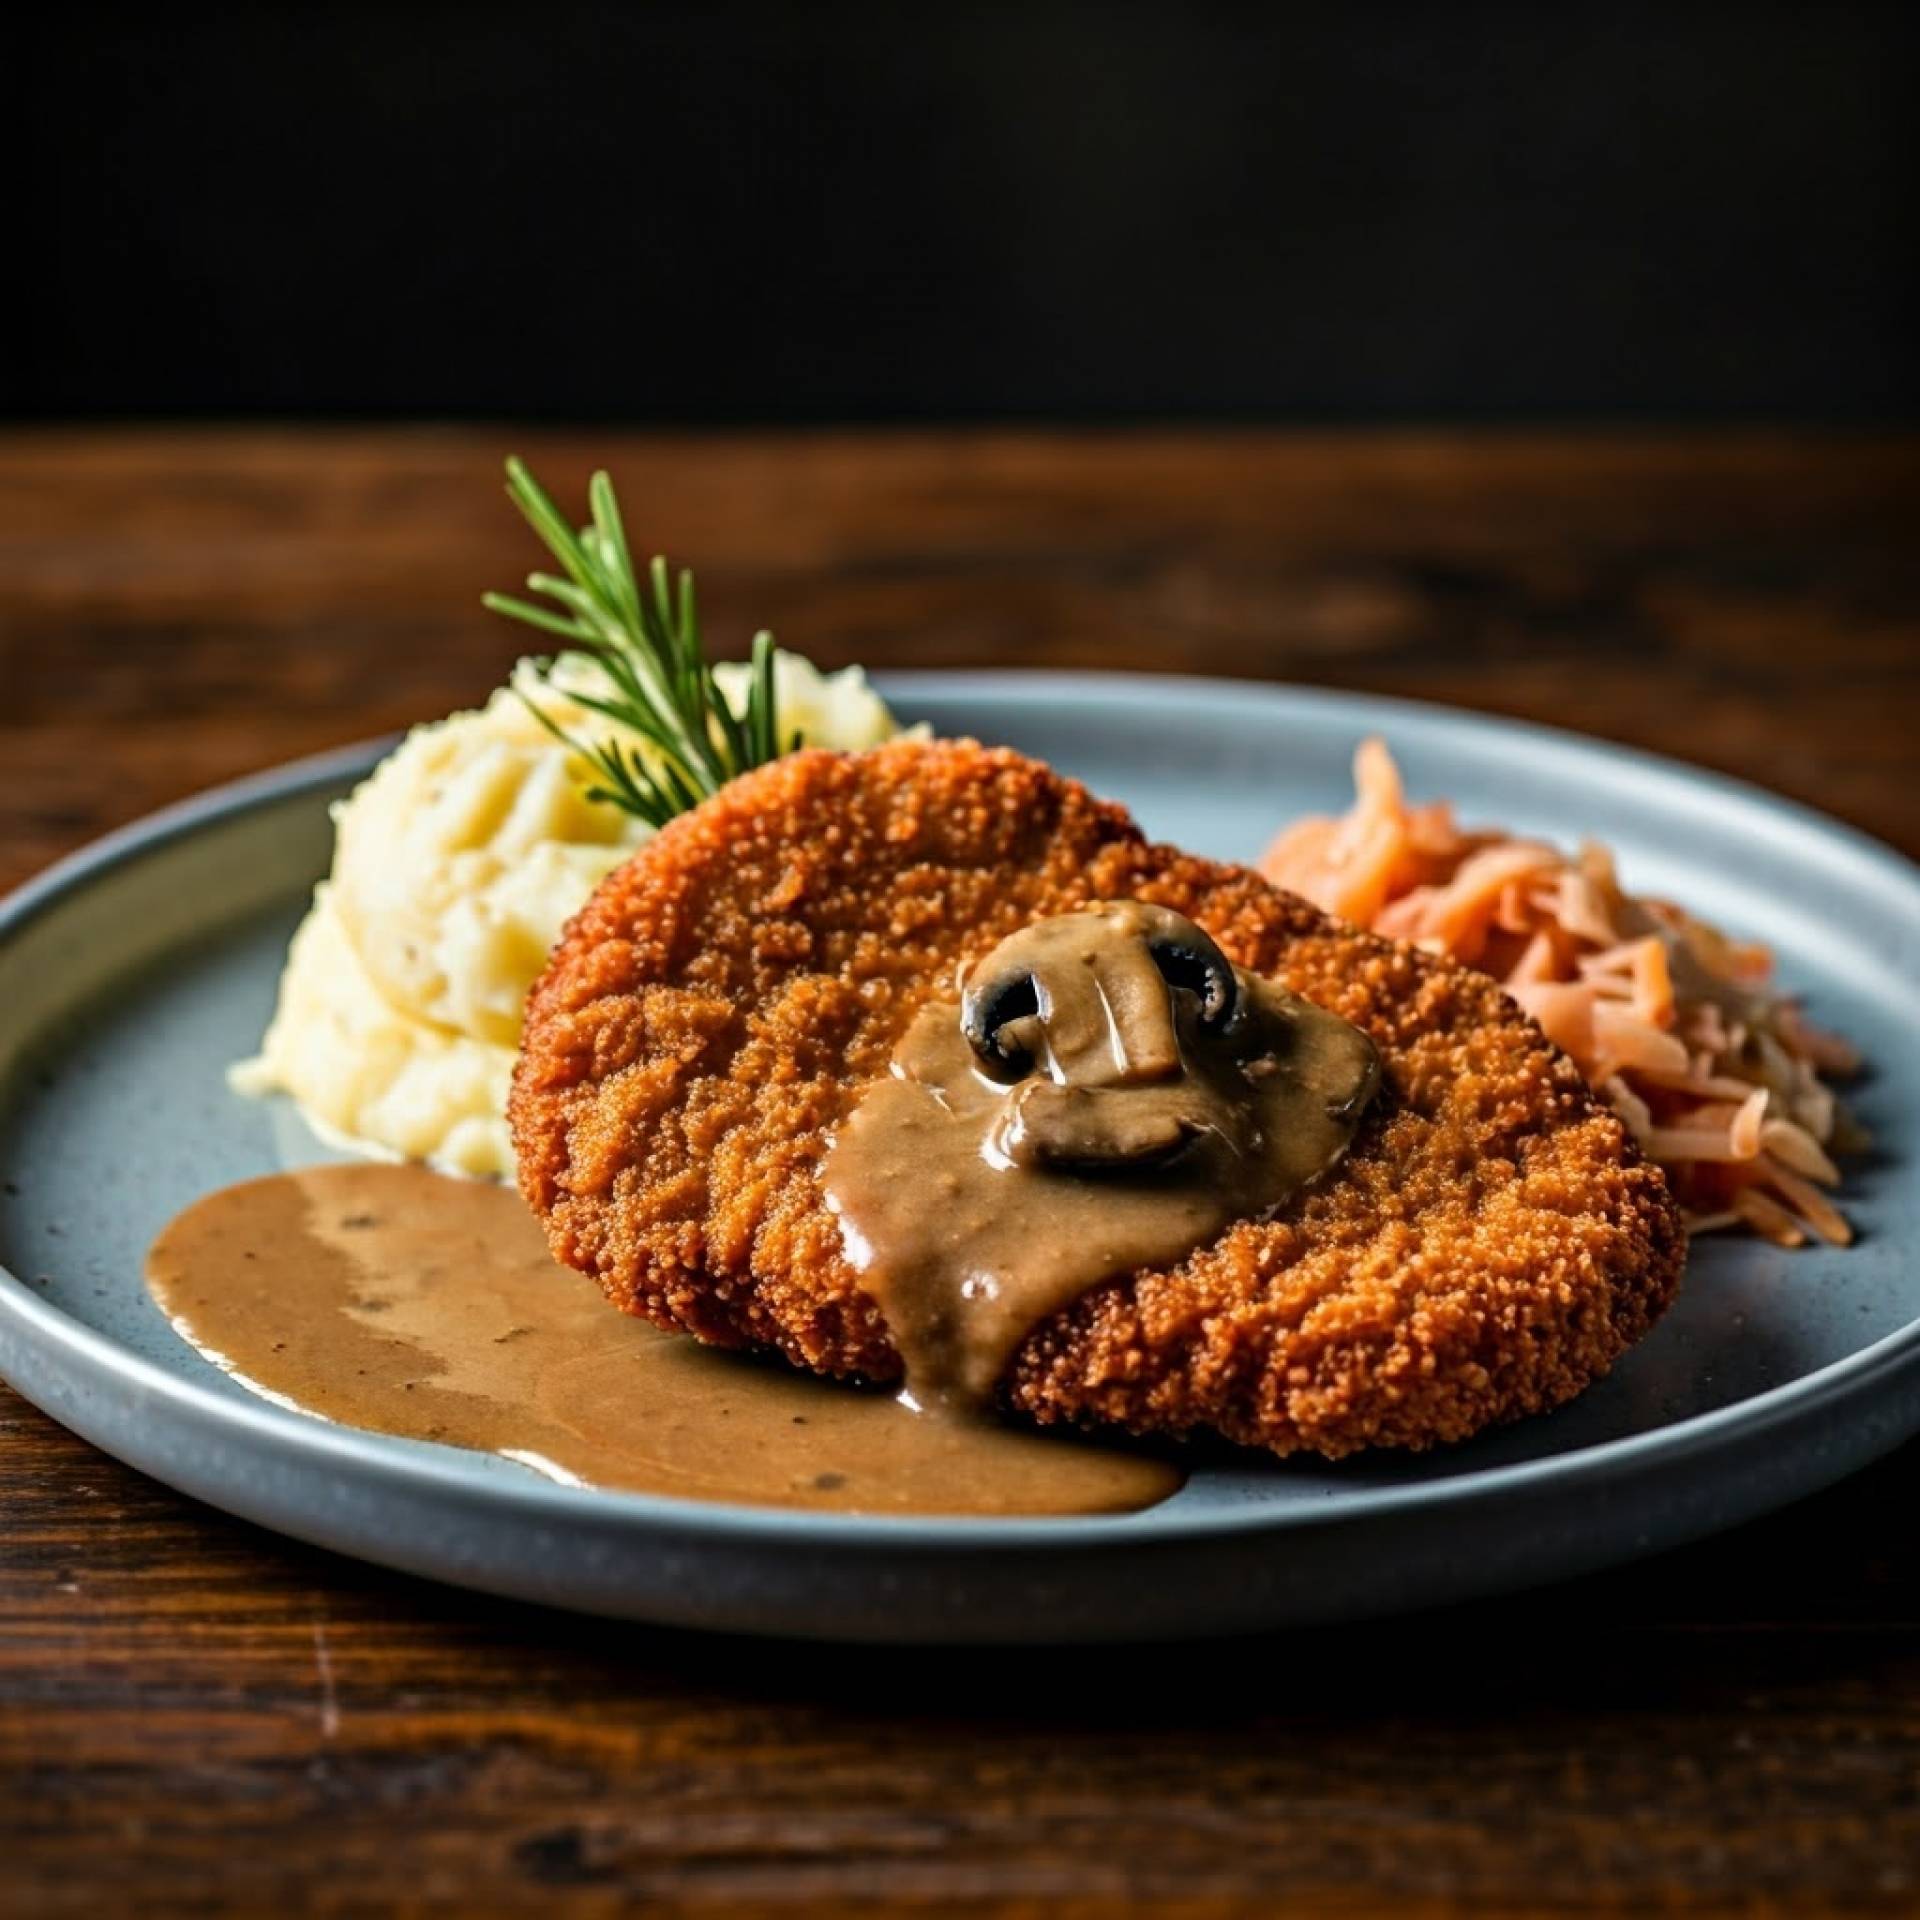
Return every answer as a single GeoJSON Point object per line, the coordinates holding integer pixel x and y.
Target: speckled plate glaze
{"type": "Point", "coordinates": [133, 974]}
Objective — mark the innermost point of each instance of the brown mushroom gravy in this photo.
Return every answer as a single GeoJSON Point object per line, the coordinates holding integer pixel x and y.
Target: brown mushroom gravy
{"type": "Point", "coordinates": [417, 1304]}
{"type": "Point", "coordinates": [1108, 1095]}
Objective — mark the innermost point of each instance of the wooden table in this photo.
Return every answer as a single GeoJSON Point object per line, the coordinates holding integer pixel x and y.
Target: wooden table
{"type": "Point", "coordinates": [196, 1716]}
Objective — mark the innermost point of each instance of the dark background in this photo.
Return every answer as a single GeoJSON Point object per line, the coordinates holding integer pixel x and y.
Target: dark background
{"type": "Point", "coordinates": [1057, 210]}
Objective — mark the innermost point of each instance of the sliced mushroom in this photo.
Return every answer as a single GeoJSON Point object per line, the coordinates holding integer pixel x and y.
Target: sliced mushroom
{"type": "Point", "coordinates": [1043, 971]}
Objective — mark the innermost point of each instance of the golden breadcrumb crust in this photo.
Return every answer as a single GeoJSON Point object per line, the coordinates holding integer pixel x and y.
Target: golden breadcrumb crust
{"type": "Point", "coordinates": [1490, 1246]}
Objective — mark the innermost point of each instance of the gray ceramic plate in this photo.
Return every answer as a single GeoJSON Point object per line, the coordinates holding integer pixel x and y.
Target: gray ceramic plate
{"type": "Point", "coordinates": [131, 976]}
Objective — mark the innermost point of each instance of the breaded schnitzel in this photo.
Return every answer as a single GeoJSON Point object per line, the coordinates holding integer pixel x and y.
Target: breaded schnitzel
{"type": "Point", "coordinates": [1490, 1245]}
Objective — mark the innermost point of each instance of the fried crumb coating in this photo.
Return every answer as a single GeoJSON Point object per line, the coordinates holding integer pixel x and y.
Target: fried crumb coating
{"type": "Point", "coordinates": [1491, 1245]}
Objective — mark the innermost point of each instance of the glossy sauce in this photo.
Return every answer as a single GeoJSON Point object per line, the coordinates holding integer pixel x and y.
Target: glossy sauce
{"type": "Point", "coordinates": [1108, 1095]}
{"type": "Point", "coordinates": [404, 1301]}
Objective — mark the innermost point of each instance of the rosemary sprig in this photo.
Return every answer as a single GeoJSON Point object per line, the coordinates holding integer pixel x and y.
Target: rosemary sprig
{"type": "Point", "coordinates": [645, 639]}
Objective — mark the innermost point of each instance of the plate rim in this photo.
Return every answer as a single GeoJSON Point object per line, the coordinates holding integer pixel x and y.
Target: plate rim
{"type": "Point", "coordinates": [61, 1338]}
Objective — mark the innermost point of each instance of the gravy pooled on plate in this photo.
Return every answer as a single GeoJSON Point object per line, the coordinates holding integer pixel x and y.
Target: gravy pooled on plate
{"type": "Point", "coordinates": [412, 1303]}
{"type": "Point", "coordinates": [1108, 1094]}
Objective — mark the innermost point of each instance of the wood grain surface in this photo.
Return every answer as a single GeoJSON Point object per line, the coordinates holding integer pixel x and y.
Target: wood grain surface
{"type": "Point", "coordinates": [198, 1717]}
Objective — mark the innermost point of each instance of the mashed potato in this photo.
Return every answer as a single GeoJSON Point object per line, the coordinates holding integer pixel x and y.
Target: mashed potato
{"type": "Point", "coordinates": [456, 864]}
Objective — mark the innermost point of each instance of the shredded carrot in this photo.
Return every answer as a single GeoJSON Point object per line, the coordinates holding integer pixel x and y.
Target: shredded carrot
{"type": "Point", "coordinates": [1716, 1075]}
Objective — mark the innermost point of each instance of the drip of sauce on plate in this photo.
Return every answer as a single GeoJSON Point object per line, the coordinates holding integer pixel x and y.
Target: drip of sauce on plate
{"type": "Point", "coordinates": [402, 1300]}
{"type": "Point", "coordinates": [1108, 1095]}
